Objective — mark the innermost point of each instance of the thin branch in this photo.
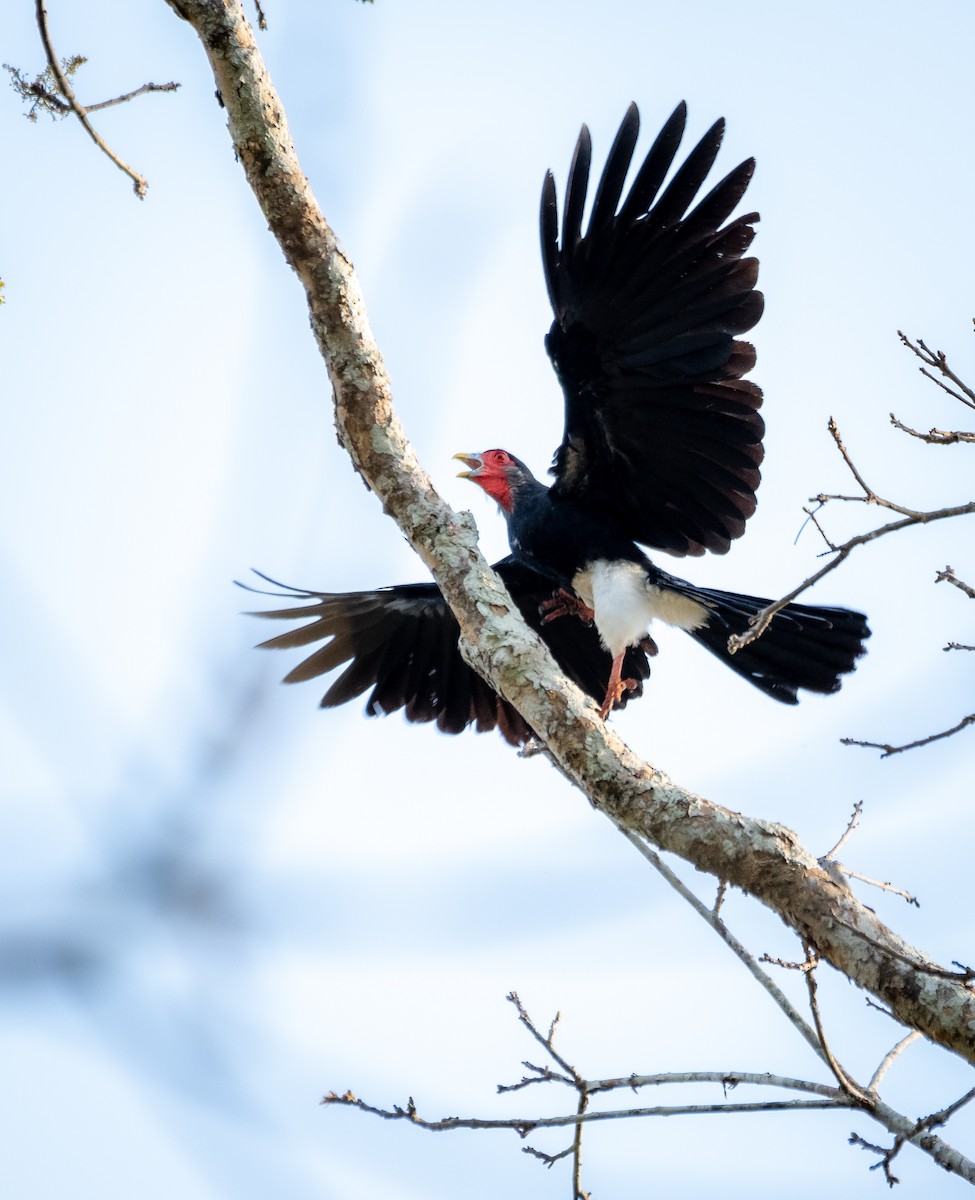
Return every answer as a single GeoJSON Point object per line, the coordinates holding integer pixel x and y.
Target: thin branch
{"type": "Point", "coordinates": [889, 1058]}
{"type": "Point", "coordinates": [571, 1077]}
{"type": "Point", "coordinates": [139, 184]}
{"type": "Point", "coordinates": [523, 1126]}
{"type": "Point", "coordinates": [941, 1117]}
{"type": "Point", "coordinates": [886, 1155]}
{"type": "Point", "coordinates": [139, 91]}
{"type": "Point", "coordinates": [723, 932]}
{"type": "Point", "coordinates": [811, 515]}
{"type": "Point", "coordinates": [727, 1079]}
{"type": "Point", "coordinates": [948, 576]}
{"type": "Point", "coordinates": [790, 965]}
{"type": "Point", "coordinates": [853, 822]}
{"type": "Point", "coordinates": [935, 437]}
{"type": "Point", "coordinates": [869, 495]}
{"type": "Point", "coordinates": [540, 1075]}
{"type": "Point", "coordinates": [831, 857]}
{"type": "Point", "coordinates": [846, 1081]}
{"type": "Point", "coordinates": [548, 1159]}
{"type": "Point", "coordinates": [577, 1192]}
{"type": "Point", "coordinates": [917, 1135]}
{"type": "Point", "coordinates": [543, 1040]}
{"type": "Point", "coordinates": [882, 886]}
{"type": "Point", "coordinates": [939, 362]}
{"type": "Point", "coordinates": [761, 621]}
{"type": "Point", "coordinates": [888, 750]}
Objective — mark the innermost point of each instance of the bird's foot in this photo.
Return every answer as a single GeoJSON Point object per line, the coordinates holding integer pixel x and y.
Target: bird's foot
{"type": "Point", "coordinates": [564, 603]}
{"type": "Point", "coordinates": [616, 687]}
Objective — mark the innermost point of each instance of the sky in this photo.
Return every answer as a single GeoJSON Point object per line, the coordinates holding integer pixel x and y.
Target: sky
{"type": "Point", "coordinates": [218, 902]}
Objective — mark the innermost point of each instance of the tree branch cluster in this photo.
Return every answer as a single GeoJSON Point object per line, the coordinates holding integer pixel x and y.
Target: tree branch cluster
{"type": "Point", "coordinates": [937, 369]}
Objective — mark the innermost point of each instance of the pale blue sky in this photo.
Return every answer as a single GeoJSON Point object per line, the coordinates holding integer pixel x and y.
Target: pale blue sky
{"type": "Point", "coordinates": [228, 902]}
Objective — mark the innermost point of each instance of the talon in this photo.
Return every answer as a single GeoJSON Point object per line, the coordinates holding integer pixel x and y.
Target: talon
{"type": "Point", "coordinates": [564, 603]}
{"type": "Point", "coordinates": [616, 687]}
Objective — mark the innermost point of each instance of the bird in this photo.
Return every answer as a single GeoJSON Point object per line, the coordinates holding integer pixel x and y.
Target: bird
{"type": "Point", "coordinates": [661, 451]}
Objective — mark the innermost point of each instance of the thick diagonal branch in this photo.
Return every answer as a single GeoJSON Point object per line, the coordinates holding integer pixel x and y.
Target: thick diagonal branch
{"type": "Point", "coordinates": [761, 858]}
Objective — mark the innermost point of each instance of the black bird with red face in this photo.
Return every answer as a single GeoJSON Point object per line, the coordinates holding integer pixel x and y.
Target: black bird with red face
{"type": "Point", "coordinates": [661, 448]}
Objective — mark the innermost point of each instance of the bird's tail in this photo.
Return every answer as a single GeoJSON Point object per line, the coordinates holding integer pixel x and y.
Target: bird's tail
{"type": "Point", "coordinates": [804, 646]}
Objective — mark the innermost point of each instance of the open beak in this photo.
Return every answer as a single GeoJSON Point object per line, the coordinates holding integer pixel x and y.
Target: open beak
{"type": "Point", "coordinates": [473, 461]}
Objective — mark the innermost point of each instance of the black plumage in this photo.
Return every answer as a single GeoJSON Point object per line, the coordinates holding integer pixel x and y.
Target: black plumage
{"type": "Point", "coordinates": [661, 447]}
{"type": "Point", "coordinates": [403, 643]}
{"type": "Point", "coordinates": [662, 435]}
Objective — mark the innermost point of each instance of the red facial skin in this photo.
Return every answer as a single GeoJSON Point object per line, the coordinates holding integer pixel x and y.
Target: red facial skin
{"type": "Point", "coordinates": [490, 471]}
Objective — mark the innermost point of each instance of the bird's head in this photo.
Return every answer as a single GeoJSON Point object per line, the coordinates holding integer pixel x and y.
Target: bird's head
{"type": "Point", "coordinates": [499, 473]}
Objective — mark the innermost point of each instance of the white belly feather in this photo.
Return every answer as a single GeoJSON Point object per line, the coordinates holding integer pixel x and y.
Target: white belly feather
{"type": "Point", "coordinates": [624, 603]}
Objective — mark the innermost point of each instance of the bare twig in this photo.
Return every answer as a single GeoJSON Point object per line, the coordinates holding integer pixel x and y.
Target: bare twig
{"type": "Point", "coordinates": [40, 91]}
{"type": "Point", "coordinates": [869, 495]}
{"type": "Point", "coordinates": [886, 1155]}
{"type": "Point", "coordinates": [127, 96]}
{"type": "Point", "coordinates": [888, 750]}
{"type": "Point", "coordinates": [761, 621]}
{"type": "Point", "coordinates": [523, 1126]}
{"type": "Point", "coordinates": [941, 1117]}
{"type": "Point", "coordinates": [851, 825]}
{"type": "Point", "coordinates": [723, 932]}
{"type": "Point", "coordinates": [846, 1081]}
{"type": "Point", "coordinates": [139, 184]}
{"type": "Point", "coordinates": [727, 1079]}
{"type": "Point", "coordinates": [916, 1135]}
{"type": "Point", "coordinates": [787, 964]}
{"type": "Point", "coordinates": [540, 1075]}
{"type": "Point", "coordinates": [548, 1159]}
{"type": "Point", "coordinates": [831, 857]}
{"type": "Point", "coordinates": [545, 1040]}
{"type": "Point", "coordinates": [883, 886]}
{"type": "Point", "coordinates": [948, 576]}
{"type": "Point", "coordinates": [935, 437]}
{"type": "Point", "coordinates": [889, 1058]}
{"type": "Point", "coordinates": [937, 359]}
{"type": "Point", "coordinates": [571, 1076]}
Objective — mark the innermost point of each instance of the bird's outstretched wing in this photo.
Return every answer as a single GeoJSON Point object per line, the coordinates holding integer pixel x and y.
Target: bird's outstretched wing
{"type": "Point", "coordinates": [403, 643]}
{"type": "Point", "coordinates": [662, 433]}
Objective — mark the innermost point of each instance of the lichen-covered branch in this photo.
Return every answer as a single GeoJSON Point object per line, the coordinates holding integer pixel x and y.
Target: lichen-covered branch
{"type": "Point", "coordinates": [762, 858]}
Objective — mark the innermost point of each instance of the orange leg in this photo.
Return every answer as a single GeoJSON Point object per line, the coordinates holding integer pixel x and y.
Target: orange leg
{"type": "Point", "coordinates": [617, 686]}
